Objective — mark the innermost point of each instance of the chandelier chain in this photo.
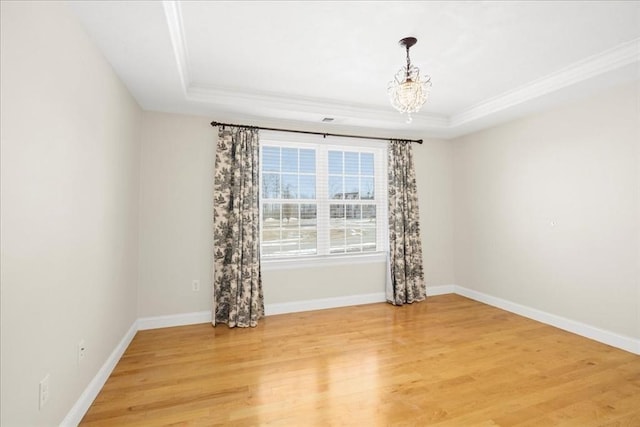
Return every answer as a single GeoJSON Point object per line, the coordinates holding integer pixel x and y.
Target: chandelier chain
{"type": "Point", "coordinates": [408, 63]}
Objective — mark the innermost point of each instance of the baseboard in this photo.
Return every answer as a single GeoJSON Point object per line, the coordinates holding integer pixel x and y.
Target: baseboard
{"type": "Point", "coordinates": [182, 319]}
{"type": "Point", "coordinates": [74, 416]}
{"type": "Point", "coordinates": [613, 339]}
{"type": "Point", "coordinates": [440, 290]}
{"type": "Point", "coordinates": [170, 320]}
{"type": "Point", "coordinates": [324, 303]}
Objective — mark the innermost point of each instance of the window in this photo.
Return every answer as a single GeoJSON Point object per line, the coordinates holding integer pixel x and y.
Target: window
{"type": "Point", "coordinates": [320, 200]}
{"type": "Point", "coordinates": [289, 206]}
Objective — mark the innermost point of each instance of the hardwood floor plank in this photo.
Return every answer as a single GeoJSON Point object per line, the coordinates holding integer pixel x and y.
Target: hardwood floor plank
{"type": "Point", "coordinates": [448, 361]}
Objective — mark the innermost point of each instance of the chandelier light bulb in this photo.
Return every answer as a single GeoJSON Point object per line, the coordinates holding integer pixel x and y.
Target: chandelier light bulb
{"type": "Point", "coordinates": [408, 91]}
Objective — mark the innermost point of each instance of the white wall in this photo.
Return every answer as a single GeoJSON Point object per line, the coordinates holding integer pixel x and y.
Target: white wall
{"type": "Point", "coordinates": [176, 223]}
{"type": "Point", "coordinates": [176, 214]}
{"type": "Point", "coordinates": [547, 211]}
{"type": "Point", "coordinates": [434, 169]}
{"type": "Point", "coordinates": [69, 210]}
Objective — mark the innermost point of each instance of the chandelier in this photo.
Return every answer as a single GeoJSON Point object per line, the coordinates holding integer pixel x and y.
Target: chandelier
{"type": "Point", "coordinates": [408, 91]}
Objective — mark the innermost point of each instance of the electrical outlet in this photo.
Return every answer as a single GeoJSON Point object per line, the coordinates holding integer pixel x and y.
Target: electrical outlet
{"type": "Point", "coordinates": [44, 391]}
{"type": "Point", "coordinates": [82, 351]}
{"type": "Point", "coordinates": [195, 285]}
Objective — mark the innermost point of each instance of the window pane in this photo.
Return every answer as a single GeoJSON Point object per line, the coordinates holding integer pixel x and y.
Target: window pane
{"type": "Point", "coordinates": [307, 187]}
{"type": "Point", "coordinates": [354, 240]}
{"type": "Point", "coordinates": [290, 214]}
{"type": "Point", "coordinates": [351, 187]}
{"type": "Point", "coordinates": [353, 215]}
{"type": "Point", "coordinates": [271, 235]}
{"type": "Point", "coordinates": [336, 244]}
{"type": "Point", "coordinates": [353, 212]}
{"type": "Point", "coordinates": [367, 186]}
{"type": "Point", "coordinates": [308, 240]}
{"type": "Point", "coordinates": [336, 212]}
{"type": "Point", "coordinates": [366, 164]}
{"type": "Point", "coordinates": [336, 232]}
{"type": "Point", "coordinates": [271, 159]}
{"type": "Point", "coordinates": [290, 243]}
{"type": "Point", "coordinates": [368, 239]}
{"type": "Point", "coordinates": [336, 223]}
{"type": "Point", "coordinates": [308, 215]}
{"type": "Point", "coordinates": [369, 213]}
{"type": "Point", "coordinates": [351, 163]}
{"type": "Point", "coordinates": [270, 186]}
{"type": "Point", "coordinates": [307, 161]}
{"type": "Point", "coordinates": [289, 186]}
{"type": "Point", "coordinates": [270, 244]}
{"type": "Point", "coordinates": [271, 215]}
{"type": "Point", "coordinates": [308, 230]}
{"type": "Point", "coordinates": [335, 162]}
{"type": "Point", "coordinates": [290, 160]}
{"type": "Point", "coordinates": [336, 190]}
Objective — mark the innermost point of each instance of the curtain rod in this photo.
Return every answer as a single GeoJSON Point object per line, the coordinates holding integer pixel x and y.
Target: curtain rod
{"type": "Point", "coordinates": [324, 134]}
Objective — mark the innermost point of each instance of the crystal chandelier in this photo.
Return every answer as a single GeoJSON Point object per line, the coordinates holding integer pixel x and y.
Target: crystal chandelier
{"type": "Point", "coordinates": [408, 91]}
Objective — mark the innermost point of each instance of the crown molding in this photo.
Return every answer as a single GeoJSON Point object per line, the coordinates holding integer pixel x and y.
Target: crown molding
{"type": "Point", "coordinates": [237, 99]}
{"type": "Point", "coordinates": [609, 60]}
{"type": "Point", "coordinates": [173, 15]}
{"type": "Point", "coordinates": [275, 105]}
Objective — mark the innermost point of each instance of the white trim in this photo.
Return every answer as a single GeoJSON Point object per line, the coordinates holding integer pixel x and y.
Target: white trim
{"type": "Point", "coordinates": [606, 337]}
{"type": "Point", "coordinates": [321, 261]}
{"type": "Point", "coordinates": [447, 126]}
{"type": "Point", "coordinates": [323, 303]}
{"type": "Point", "coordinates": [173, 15]}
{"type": "Point", "coordinates": [74, 416]}
{"type": "Point", "coordinates": [609, 60]}
{"type": "Point", "coordinates": [227, 98]}
{"type": "Point", "coordinates": [171, 320]}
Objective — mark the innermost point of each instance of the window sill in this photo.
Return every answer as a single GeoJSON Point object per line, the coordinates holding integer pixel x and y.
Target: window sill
{"type": "Point", "coordinates": [321, 261]}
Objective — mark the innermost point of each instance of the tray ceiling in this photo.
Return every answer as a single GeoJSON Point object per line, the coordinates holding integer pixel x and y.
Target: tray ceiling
{"type": "Point", "coordinates": [303, 61]}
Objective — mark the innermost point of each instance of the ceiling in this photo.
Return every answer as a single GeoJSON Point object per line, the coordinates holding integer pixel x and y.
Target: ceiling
{"type": "Point", "coordinates": [298, 62]}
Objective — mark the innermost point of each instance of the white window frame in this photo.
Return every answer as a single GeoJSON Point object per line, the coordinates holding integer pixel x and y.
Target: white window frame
{"type": "Point", "coordinates": [323, 146]}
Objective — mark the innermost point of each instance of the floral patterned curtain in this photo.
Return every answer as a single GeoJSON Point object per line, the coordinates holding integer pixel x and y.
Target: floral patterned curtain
{"type": "Point", "coordinates": [237, 284]}
{"type": "Point", "coordinates": [405, 281]}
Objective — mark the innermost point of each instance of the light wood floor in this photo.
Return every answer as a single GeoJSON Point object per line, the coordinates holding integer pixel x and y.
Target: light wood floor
{"type": "Point", "coordinates": [448, 361]}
